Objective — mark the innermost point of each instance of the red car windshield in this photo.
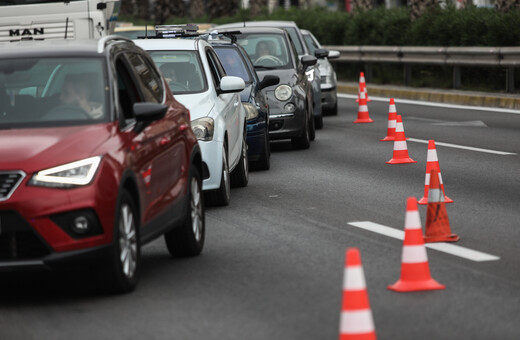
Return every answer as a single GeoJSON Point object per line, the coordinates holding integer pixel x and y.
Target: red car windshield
{"type": "Point", "coordinates": [52, 91]}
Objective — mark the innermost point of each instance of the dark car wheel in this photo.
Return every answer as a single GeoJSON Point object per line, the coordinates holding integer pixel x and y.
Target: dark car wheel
{"type": "Point", "coordinates": [333, 111]}
{"type": "Point", "coordinates": [318, 122]}
{"type": "Point", "coordinates": [222, 195]}
{"type": "Point", "coordinates": [304, 141]}
{"type": "Point", "coordinates": [240, 175]}
{"type": "Point", "coordinates": [188, 239]}
{"type": "Point", "coordinates": [264, 162]}
{"type": "Point", "coordinates": [312, 129]}
{"type": "Point", "coordinates": [121, 271]}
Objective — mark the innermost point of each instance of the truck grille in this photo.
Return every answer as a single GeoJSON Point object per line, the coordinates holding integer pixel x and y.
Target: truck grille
{"type": "Point", "coordinates": [37, 31]}
{"type": "Point", "coordinates": [17, 239]}
{"type": "Point", "coordinates": [9, 181]}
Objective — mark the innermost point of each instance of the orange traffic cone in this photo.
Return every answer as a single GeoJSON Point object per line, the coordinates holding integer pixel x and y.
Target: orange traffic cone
{"type": "Point", "coordinates": [400, 155]}
{"type": "Point", "coordinates": [415, 270]}
{"type": "Point", "coordinates": [392, 114]}
{"type": "Point", "coordinates": [363, 116]}
{"type": "Point", "coordinates": [356, 320]}
{"type": "Point", "coordinates": [437, 223]}
{"type": "Point", "coordinates": [432, 162]}
{"type": "Point", "coordinates": [362, 87]}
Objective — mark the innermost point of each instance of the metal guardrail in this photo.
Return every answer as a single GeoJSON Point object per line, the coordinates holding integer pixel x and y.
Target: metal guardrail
{"type": "Point", "coordinates": [506, 57]}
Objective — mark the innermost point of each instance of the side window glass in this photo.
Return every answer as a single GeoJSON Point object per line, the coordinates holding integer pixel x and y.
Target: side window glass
{"type": "Point", "coordinates": [149, 80]}
{"type": "Point", "coordinates": [127, 90]}
{"type": "Point", "coordinates": [217, 71]}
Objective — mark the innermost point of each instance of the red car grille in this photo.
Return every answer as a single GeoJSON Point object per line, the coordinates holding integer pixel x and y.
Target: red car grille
{"type": "Point", "coordinates": [9, 181]}
{"type": "Point", "coordinates": [18, 240]}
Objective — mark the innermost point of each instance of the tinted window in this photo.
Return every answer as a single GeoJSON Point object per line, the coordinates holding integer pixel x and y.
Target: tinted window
{"type": "Point", "coordinates": [150, 81]}
{"type": "Point", "coordinates": [311, 44]}
{"type": "Point", "coordinates": [233, 63]}
{"type": "Point", "coordinates": [50, 90]}
{"type": "Point", "coordinates": [296, 39]}
{"type": "Point", "coordinates": [182, 70]}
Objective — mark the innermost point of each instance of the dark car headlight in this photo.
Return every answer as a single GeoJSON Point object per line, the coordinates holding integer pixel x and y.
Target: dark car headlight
{"type": "Point", "coordinates": [283, 92]}
{"type": "Point", "coordinates": [69, 175]}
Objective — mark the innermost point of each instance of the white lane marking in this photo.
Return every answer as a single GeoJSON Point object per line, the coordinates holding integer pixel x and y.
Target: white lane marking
{"type": "Point", "coordinates": [503, 153]}
{"type": "Point", "coordinates": [449, 248]}
{"type": "Point", "coordinates": [470, 123]}
{"type": "Point", "coordinates": [418, 102]}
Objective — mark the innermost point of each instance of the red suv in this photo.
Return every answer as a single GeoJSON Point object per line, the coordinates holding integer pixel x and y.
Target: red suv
{"type": "Point", "coordinates": [96, 159]}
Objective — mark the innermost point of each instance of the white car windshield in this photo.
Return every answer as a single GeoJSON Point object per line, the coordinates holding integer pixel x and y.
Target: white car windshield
{"type": "Point", "coordinates": [181, 69]}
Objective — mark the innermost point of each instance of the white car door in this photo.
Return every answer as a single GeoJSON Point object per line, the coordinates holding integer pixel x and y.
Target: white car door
{"type": "Point", "coordinates": [229, 106]}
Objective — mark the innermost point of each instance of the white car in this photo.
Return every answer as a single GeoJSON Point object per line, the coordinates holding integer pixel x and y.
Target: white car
{"type": "Point", "coordinates": [199, 82]}
{"type": "Point", "coordinates": [329, 99]}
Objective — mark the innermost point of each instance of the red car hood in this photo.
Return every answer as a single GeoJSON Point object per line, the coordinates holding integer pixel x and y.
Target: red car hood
{"type": "Point", "coordinates": [36, 149]}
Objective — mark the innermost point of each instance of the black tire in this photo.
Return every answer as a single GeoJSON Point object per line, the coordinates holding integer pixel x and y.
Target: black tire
{"type": "Point", "coordinates": [333, 111]}
{"type": "Point", "coordinates": [318, 122]}
{"type": "Point", "coordinates": [121, 271]}
{"type": "Point", "coordinates": [222, 195]}
{"type": "Point", "coordinates": [264, 162]}
{"type": "Point", "coordinates": [240, 175]}
{"type": "Point", "coordinates": [188, 239]}
{"type": "Point", "coordinates": [304, 141]}
{"type": "Point", "coordinates": [312, 129]}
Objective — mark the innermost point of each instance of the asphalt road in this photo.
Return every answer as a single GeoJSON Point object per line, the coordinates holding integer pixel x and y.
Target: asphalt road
{"type": "Point", "coordinates": [274, 259]}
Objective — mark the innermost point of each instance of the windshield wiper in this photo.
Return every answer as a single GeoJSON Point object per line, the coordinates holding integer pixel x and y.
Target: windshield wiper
{"type": "Point", "coordinates": [265, 67]}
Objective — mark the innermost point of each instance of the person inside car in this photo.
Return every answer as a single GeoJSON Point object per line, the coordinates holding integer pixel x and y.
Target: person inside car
{"type": "Point", "coordinates": [262, 49]}
{"type": "Point", "coordinates": [75, 93]}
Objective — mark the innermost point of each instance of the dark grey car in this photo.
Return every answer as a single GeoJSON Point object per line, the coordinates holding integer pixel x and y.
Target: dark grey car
{"type": "Point", "coordinates": [290, 101]}
{"type": "Point", "coordinates": [313, 73]}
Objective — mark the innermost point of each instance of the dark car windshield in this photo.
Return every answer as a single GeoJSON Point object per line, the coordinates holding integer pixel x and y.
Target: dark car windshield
{"type": "Point", "coordinates": [182, 70]}
{"type": "Point", "coordinates": [52, 91]}
{"type": "Point", "coordinates": [233, 63]}
{"type": "Point", "coordinates": [267, 50]}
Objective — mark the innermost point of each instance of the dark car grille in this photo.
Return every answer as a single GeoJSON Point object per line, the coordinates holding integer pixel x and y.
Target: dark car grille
{"type": "Point", "coordinates": [18, 240]}
{"type": "Point", "coordinates": [9, 181]}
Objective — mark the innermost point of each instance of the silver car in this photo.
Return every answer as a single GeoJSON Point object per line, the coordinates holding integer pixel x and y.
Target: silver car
{"type": "Point", "coordinates": [329, 99]}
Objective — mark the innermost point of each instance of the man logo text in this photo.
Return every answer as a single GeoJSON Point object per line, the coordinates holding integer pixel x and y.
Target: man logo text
{"type": "Point", "coordinates": [25, 32]}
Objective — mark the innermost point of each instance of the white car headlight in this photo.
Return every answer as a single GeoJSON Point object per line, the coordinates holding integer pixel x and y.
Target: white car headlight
{"type": "Point", "coordinates": [283, 92]}
{"type": "Point", "coordinates": [203, 128]}
{"type": "Point", "coordinates": [251, 111]}
{"type": "Point", "coordinates": [68, 175]}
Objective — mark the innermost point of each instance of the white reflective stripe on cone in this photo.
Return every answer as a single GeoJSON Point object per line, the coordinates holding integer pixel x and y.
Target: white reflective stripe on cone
{"type": "Point", "coordinates": [399, 127]}
{"type": "Point", "coordinates": [427, 179]}
{"type": "Point", "coordinates": [363, 108]}
{"type": "Point", "coordinates": [392, 123]}
{"type": "Point", "coordinates": [435, 195]}
{"type": "Point", "coordinates": [400, 145]}
{"type": "Point", "coordinates": [412, 220]}
{"type": "Point", "coordinates": [414, 254]}
{"type": "Point", "coordinates": [354, 278]}
{"type": "Point", "coordinates": [392, 108]}
{"type": "Point", "coordinates": [432, 156]}
{"type": "Point", "coordinates": [440, 178]}
{"type": "Point", "coordinates": [356, 322]}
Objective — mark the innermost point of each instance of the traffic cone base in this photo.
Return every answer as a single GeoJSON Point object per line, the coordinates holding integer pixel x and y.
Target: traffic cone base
{"type": "Point", "coordinates": [400, 154]}
{"type": "Point", "coordinates": [415, 270]}
{"type": "Point", "coordinates": [363, 116]}
{"type": "Point", "coordinates": [437, 223]}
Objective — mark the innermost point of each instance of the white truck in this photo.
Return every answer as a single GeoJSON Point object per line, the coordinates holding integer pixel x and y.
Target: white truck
{"type": "Point", "coordinates": [54, 19]}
